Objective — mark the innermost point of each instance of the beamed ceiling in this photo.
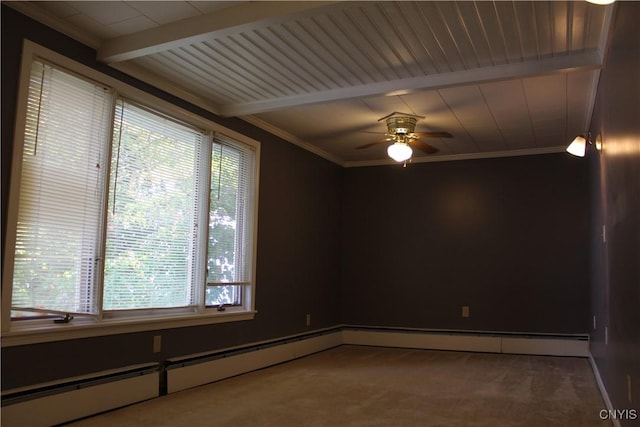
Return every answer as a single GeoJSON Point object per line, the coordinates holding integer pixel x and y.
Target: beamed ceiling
{"type": "Point", "coordinates": [503, 77]}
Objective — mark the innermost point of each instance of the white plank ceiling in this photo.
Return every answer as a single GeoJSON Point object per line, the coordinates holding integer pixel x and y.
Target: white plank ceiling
{"type": "Point", "coordinates": [503, 77]}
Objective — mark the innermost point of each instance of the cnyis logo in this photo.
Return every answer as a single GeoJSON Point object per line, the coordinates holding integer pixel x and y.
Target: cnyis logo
{"type": "Point", "coordinates": [618, 414]}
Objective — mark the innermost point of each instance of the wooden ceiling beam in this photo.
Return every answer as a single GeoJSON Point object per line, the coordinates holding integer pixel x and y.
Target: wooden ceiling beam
{"type": "Point", "coordinates": [559, 64]}
{"type": "Point", "coordinates": [204, 27]}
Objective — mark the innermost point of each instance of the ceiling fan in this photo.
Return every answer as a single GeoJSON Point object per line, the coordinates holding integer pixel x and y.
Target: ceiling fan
{"type": "Point", "coordinates": [401, 132]}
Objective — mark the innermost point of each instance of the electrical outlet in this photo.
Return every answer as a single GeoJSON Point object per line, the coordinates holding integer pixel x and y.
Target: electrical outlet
{"type": "Point", "coordinates": [308, 320]}
{"type": "Point", "coordinates": [157, 343]}
{"type": "Point", "coordinates": [465, 311]}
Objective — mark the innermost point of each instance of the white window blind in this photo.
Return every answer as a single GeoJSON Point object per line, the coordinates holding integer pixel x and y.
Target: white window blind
{"type": "Point", "coordinates": [61, 193]}
{"type": "Point", "coordinates": [152, 211]}
{"type": "Point", "coordinates": [230, 222]}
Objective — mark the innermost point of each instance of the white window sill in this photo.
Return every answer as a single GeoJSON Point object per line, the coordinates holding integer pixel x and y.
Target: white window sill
{"type": "Point", "coordinates": [23, 333]}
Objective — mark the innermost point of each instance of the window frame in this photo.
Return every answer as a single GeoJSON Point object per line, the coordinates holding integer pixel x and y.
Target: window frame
{"type": "Point", "coordinates": [43, 330]}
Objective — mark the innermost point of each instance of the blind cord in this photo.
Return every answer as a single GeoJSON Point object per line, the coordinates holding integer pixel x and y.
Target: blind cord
{"type": "Point", "coordinates": [115, 178]}
{"type": "Point", "coordinates": [35, 142]}
{"type": "Point", "coordinates": [220, 173]}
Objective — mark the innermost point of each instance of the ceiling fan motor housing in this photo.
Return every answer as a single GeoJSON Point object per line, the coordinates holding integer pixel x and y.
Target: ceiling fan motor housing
{"type": "Point", "coordinates": [401, 123]}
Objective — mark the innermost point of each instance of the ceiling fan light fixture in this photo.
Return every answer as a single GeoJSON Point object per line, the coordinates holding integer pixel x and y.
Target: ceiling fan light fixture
{"type": "Point", "coordinates": [399, 151]}
{"type": "Point", "coordinates": [402, 137]}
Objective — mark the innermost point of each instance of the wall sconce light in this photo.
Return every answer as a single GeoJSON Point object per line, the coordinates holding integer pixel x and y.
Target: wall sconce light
{"type": "Point", "coordinates": [601, 2]}
{"type": "Point", "coordinates": [578, 146]}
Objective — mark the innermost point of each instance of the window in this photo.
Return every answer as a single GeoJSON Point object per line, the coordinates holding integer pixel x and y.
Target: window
{"type": "Point", "coordinates": [153, 205]}
{"type": "Point", "coordinates": [62, 183]}
{"type": "Point", "coordinates": [124, 210]}
{"type": "Point", "coordinates": [230, 224]}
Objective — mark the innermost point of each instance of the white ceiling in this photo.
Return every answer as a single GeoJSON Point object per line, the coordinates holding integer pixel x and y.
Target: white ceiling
{"type": "Point", "coordinates": [504, 77]}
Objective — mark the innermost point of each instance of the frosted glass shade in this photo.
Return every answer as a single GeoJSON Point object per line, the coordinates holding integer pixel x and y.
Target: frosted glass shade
{"type": "Point", "coordinates": [399, 151]}
{"type": "Point", "coordinates": [578, 147]}
{"type": "Point", "coordinates": [602, 2]}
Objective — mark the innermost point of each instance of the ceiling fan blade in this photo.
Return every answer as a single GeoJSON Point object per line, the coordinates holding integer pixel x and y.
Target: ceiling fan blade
{"type": "Point", "coordinates": [343, 131]}
{"type": "Point", "coordinates": [423, 146]}
{"type": "Point", "coordinates": [371, 144]}
{"type": "Point", "coordinates": [434, 134]}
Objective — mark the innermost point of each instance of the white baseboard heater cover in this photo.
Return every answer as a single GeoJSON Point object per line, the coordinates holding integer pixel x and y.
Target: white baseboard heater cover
{"type": "Point", "coordinates": [546, 346]}
{"type": "Point", "coordinates": [195, 371]}
{"type": "Point", "coordinates": [187, 374]}
{"type": "Point", "coordinates": [577, 346]}
{"type": "Point", "coordinates": [85, 400]}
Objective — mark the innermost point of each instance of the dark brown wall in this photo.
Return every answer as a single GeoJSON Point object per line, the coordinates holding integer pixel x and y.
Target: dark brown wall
{"type": "Point", "coordinates": [298, 268]}
{"type": "Point", "coordinates": [615, 203]}
{"type": "Point", "coordinates": [505, 236]}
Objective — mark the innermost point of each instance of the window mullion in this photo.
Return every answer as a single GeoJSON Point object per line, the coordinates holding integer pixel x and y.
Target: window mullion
{"type": "Point", "coordinates": [202, 226]}
{"type": "Point", "coordinates": [105, 203]}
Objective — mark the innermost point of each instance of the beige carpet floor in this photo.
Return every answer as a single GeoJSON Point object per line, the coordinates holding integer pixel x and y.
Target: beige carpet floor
{"type": "Point", "coordinates": [371, 386]}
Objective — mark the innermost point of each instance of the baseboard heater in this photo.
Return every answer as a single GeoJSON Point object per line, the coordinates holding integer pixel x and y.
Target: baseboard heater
{"type": "Point", "coordinates": [186, 372]}
{"type": "Point", "coordinates": [488, 342]}
{"type": "Point", "coordinates": [191, 371]}
{"type": "Point", "coordinates": [79, 397]}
